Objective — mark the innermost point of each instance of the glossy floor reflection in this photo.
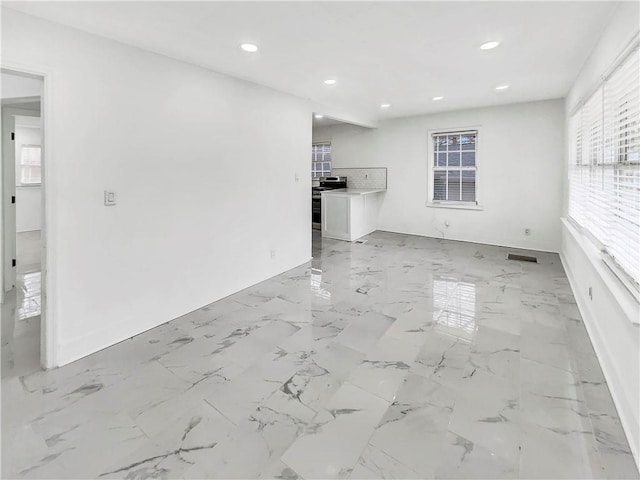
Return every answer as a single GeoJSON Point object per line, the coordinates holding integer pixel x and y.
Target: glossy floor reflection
{"type": "Point", "coordinates": [21, 311]}
{"type": "Point", "coordinates": [403, 357]}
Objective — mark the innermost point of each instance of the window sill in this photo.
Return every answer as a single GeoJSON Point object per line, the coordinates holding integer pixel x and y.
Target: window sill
{"type": "Point", "coordinates": [456, 206]}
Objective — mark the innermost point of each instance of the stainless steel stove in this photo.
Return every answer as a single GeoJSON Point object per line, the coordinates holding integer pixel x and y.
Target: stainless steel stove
{"type": "Point", "coordinates": [326, 183]}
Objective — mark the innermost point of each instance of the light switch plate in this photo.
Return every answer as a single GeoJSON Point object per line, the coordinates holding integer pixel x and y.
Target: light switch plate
{"type": "Point", "coordinates": [109, 198]}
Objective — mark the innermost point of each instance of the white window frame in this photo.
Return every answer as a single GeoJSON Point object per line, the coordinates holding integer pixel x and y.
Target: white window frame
{"type": "Point", "coordinates": [431, 169]}
{"type": "Point", "coordinates": [324, 142]}
{"type": "Point", "coordinates": [22, 165]}
{"type": "Point", "coordinates": [575, 214]}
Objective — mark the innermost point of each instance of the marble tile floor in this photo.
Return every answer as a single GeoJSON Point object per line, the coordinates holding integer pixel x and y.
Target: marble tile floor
{"type": "Point", "coordinates": [21, 311]}
{"type": "Point", "coordinates": [403, 357]}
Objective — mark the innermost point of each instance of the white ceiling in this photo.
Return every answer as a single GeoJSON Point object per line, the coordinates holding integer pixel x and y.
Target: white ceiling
{"type": "Point", "coordinates": [402, 53]}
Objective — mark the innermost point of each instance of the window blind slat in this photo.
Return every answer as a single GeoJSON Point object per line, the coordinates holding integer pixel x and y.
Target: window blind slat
{"type": "Point", "coordinates": [604, 165]}
{"type": "Point", "coordinates": [454, 166]}
{"type": "Point", "coordinates": [321, 159]}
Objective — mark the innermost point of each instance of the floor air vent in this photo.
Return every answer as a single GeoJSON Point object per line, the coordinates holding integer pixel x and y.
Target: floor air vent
{"type": "Point", "coordinates": [522, 258]}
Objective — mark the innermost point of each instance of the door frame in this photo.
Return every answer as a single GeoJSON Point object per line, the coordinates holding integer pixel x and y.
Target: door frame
{"type": "Point", "coordinates": [48, 320]}
{"type": "Point", "coordinates": [10, 109]}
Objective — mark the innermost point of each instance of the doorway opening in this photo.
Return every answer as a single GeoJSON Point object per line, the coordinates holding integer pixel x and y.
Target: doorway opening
{"type": "Point", "coordinates": [22, 223]}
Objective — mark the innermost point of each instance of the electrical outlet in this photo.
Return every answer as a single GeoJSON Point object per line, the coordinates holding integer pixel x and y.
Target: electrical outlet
{"type": "Point", "coordinates": [109, 198]}
{"type": "Point", "coordinates": [273, 253]}
{"type": "Point", "coordinates": [527, 231]}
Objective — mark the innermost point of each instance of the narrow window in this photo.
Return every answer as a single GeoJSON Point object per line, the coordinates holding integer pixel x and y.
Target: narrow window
{"type": "Point", "coordinates": [30, 166]}
{"type": "Point", "coordinates": [454, 167]}
{"type": "Point", "coordinates": [321, 159]}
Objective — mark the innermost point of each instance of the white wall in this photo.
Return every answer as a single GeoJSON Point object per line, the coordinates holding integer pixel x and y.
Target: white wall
{"type": "Point", "coordinates": [608, 315]}
{"type": "Point", "coordinates": [193, 156]}
{"type": "Point", "coordinates": [520, 164]}
{"type": "Point", "coordinates": [28, 198]}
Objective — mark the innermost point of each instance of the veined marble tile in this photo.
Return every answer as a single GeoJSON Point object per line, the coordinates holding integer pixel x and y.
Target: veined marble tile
{"type": "Point", "coordinates": [152, 461]}
{"type": "Point", "coordinates": [85, 450]}
{"type": "Point", "coordinates": [403, 357]}
{"type": "Point", "coordinates": [194, 363]}
{"type": "Point", "coordinates": [558, 454]}
{"type": "Point", "coordinates": [587, 367]}
{"type": "Point", "coordinates": [258, 442]}
{"type": "Point", "coordinates": [324, 326]}
{"type": "Point", "coordinates": [555, 353]}
{"type": "Point", "coordinates": [496, 352]}
{"type": "Point", "coordinates": [415, 326]}
{"type": "Point", "coordinates": [127, 356]}
{"type": "Point", "coordinates": [555, 413]}
{"type": "Point", "coordinates": [507, 322]}
{"type": "Point", "coordinates": [498, 307]}
{"type": "Point", "coordinates": [331, 447]}
{"type": "Point", "coordinates": [545, 334]}
{"type": "Point", "coordinates": [361, 472]}
{"type": "Point", "coordinates": [364, 331]}
{"type": "Point", "coordinates": [570, 311]}
{"type": "Point", "coordinates": [549, 382]}
{"type": "Point", "coordinates": [385, 367]}
{"type": "Point", "coordinates": [184, 422]}
{"type": "Point", "coordinates": [22, 448]}
{"type": "Point", "coordinates": [443, 358]}
{"type": "Point", "coordinates": [546, 314]}
{"type": "Point", "coordinates": [151, 385]}
{"type": "Point", "coordinates": [320, 377]}
{"type": "Point", "coordinates": [207, 314]}
{"type": "Point", "coordinates": [245, 345]}
{"type": "Point", "coordinates": [615, 454]}
{"type": "Point", "coordinates": [463, 459]}
{"type": "Point", "coordinates": [487, 413]}
{"type": "Point", "coordinates": [412, 430]}
{"type": "Point", "coordinates": [578, 338]}
{"type": "Point", "coordinates": [278, 470]}
{"type": "Point", "coordinates": [374, 463]}
{"type": "Point", "coordinates": [239, 397]}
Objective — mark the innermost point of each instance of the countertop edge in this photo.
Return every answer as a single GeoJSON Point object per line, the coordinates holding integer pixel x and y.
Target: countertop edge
{"type": "Point", "coordinates": [353, 191]}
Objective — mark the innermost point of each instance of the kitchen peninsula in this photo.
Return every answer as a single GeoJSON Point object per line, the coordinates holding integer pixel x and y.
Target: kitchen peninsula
{"type": "Point", "coordinates": [350, 213]}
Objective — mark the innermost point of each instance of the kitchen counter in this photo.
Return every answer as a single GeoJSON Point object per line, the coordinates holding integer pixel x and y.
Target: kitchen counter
{"type": "Point", "coordinates": [353, 191]}
{"type": "Point", "coordinates": [350, 213]}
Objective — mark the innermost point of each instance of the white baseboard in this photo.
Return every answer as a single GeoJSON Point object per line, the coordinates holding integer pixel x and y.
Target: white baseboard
{"type": "Point", "coordinates": [93, 342]}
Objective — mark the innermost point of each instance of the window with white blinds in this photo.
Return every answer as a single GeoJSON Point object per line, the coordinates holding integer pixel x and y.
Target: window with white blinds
{"type": "Point", "coordinates": [454, 167]}
{"type": "Point", "coordinates": [604, 166]}
{"type": "Point", "coordinates": [321, 159]}
{"type": "Point", "coordinates": [30, 165]}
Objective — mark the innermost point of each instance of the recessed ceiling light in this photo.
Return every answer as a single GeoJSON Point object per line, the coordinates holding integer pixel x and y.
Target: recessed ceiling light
{"type": "Point", "coordinates": [318, 116]}
{"type": "Point", "coordinates": [385, 105]}
{"type": "Point", "coordinates": [330, 81]}
{"type": "Point", "coordinates": [249, 47]}
{"type": "Point", "coordinates": [502, 87]}
{"type": "Point", "coordinates": [489, 45]}
{"type": "Point", "coordinates": [435, 99]}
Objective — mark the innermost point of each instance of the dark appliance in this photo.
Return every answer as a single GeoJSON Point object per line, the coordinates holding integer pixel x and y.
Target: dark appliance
{"type": "Point", "coordinates": [326, 183]}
